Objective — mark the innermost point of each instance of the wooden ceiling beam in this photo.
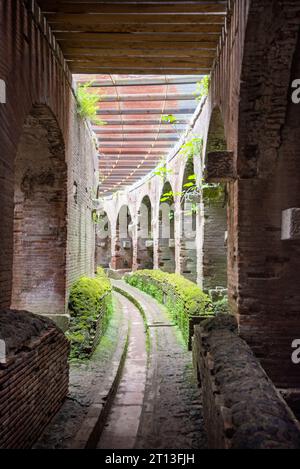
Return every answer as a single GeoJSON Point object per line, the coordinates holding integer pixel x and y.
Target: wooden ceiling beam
{"type": "Point", "coordinates": [80, 26]}
{"type": "Point", "coordinates": [58, 6]}
{"type": "Point", "coordinates": [135, 38]}
{"type": "Point", "coordinates": [98, 20]}
{"type": "Point", "coordinates": [82, 53]}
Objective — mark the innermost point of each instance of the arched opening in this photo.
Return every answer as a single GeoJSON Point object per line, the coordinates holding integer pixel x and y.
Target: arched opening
{"type": "Point", "coordinates": [215, 214]}
{"type": "Point", "coordinates": [40, 208]}
{"type": "Point", "coordinates": [190, 199]}
{"type": "Point", "coordinates": [103, 241]}
{"type": "Point", "coordinates": [124, 248]}
{"type": "Point", "coordinates": [166, 241]}
{"type": "Point", "coordinates": [145, 238]}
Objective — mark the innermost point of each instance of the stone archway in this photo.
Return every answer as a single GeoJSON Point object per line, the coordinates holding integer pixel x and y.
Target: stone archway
{"type": "Point", "coordinates": [166, 241]}
{"type": "Point", "coordinates": [123, 258]}
{"type": "Point", "coordinates": [145, 235]}
{"type": "Point", "coordinates": [40, 211]}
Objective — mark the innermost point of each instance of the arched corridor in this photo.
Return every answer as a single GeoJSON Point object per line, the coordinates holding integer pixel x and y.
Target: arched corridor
{"type": "Point", "coordinates": [150, 220]}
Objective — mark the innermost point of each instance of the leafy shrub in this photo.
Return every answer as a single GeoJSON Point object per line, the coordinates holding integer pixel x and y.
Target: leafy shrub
{"type": "Point", "coordinates": [183, 298]}
{"type": "Point", "coordinates": [90, 305]}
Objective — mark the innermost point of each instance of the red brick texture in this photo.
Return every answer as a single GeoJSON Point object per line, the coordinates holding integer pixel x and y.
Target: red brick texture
{"type": "Point", "coordinates": [36, 75]}
{"type": "Point", "coordinates": [34, 379]}
{"type": "Point", "coordinates": [269, 174]}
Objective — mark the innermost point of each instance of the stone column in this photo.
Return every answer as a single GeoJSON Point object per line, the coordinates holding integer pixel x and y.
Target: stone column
{"type": "Point", "coordinates": [178, 234]}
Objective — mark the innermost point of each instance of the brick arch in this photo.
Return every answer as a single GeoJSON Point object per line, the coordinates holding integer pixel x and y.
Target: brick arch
{"type": "Point", "coordinates": [40, 210]}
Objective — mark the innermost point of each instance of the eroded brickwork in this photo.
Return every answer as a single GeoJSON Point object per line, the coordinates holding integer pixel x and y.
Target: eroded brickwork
{"type": "Point", "coordinates": [35, 74]}
{"type": "Point", "coordinates": [33, 379]}
{"type": "Point", "coordinates": [242, 409]}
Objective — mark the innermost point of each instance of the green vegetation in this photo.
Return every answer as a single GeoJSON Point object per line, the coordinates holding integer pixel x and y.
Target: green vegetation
{"type": "Point", "coordinates": [87, 103]}
{"type": "Point", "coordinates": [182, 298]}
{"type": "Point", "coordinates": [221, 306]}
{"type": "Point", "coordinates": [202, 88]}
{"type": "Point", "coordinates": [191, 148]}
{"type": "Point", "coordinates": [90, 305]}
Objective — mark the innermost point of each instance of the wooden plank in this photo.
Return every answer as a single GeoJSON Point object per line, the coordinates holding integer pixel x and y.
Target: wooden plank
{"type": "Point", "coordinates": [103, 39]}
{"type": "Point", "coordinates": [113, 48]}
{"type": "Point", "coordinates": [138, 19]}
{"type": "Point", "coordinates": [73, 53]}
{"type": "Point", "coordinates": [140, 62]}
{"type": "Point", "coordinates": [79, 26]}
{"type": "Point", "coordinates": [59, 6]}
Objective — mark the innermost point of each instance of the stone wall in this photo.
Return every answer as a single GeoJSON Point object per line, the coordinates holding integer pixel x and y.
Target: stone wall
{"type": "Point", "coordinates": [242, 409]}
{"type": "Point", "coordinates": [33, 376]}
{"type": "Point", "coordinates": [214, 245]}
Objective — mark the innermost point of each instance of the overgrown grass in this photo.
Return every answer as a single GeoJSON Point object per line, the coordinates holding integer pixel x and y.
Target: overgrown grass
{"type": "Point", "coordinates": [182, 298]}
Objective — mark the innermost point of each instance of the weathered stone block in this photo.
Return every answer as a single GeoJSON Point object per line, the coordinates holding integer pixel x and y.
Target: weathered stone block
{"type": "Point", "coordinates": [290, 228]}
{"type": "Point", "coordinates": [171, 243]}
{"type": "Point", "coordinates": [220, 166]}
{"type": "Point", "coordinates": [149, 243]}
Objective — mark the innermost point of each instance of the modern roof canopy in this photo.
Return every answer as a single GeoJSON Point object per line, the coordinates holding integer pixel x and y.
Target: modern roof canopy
{"type": "Point", "coordinates": [135, 137]}
{"type": "Point", "coordinates": [145, 58]}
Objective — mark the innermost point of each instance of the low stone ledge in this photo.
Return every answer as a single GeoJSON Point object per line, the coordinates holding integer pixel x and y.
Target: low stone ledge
{"type": "Point", "coordinates": [242, 408]}
{"type": "Point", "coordinates": [34, 376]}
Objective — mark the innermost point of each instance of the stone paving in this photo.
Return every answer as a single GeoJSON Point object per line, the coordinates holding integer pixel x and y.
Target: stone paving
{"type": "Point", "coordinates": [86, 379]}
{"type": "Point", "coordinates": [123, 421]}
{"type": "Point", "coordinates": [172, 411]}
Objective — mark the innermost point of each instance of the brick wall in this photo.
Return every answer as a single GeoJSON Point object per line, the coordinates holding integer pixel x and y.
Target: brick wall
{"type": "Point", "coordinates": [36, 74]}
{"type": "Point", "coordinates": [269, 174]}
{"type": "Point", "coordinates": [242, 409]}
{"type": "Point", "coordinates": [34, 379]}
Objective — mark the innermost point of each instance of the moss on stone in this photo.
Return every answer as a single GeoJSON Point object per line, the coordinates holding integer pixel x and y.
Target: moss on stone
{"type": "Point", "coordinates": [90, 305]}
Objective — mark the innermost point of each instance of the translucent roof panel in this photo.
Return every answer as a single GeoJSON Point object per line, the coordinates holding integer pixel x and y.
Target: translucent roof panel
{"type": "Point", "coordinates": [135, 138]}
